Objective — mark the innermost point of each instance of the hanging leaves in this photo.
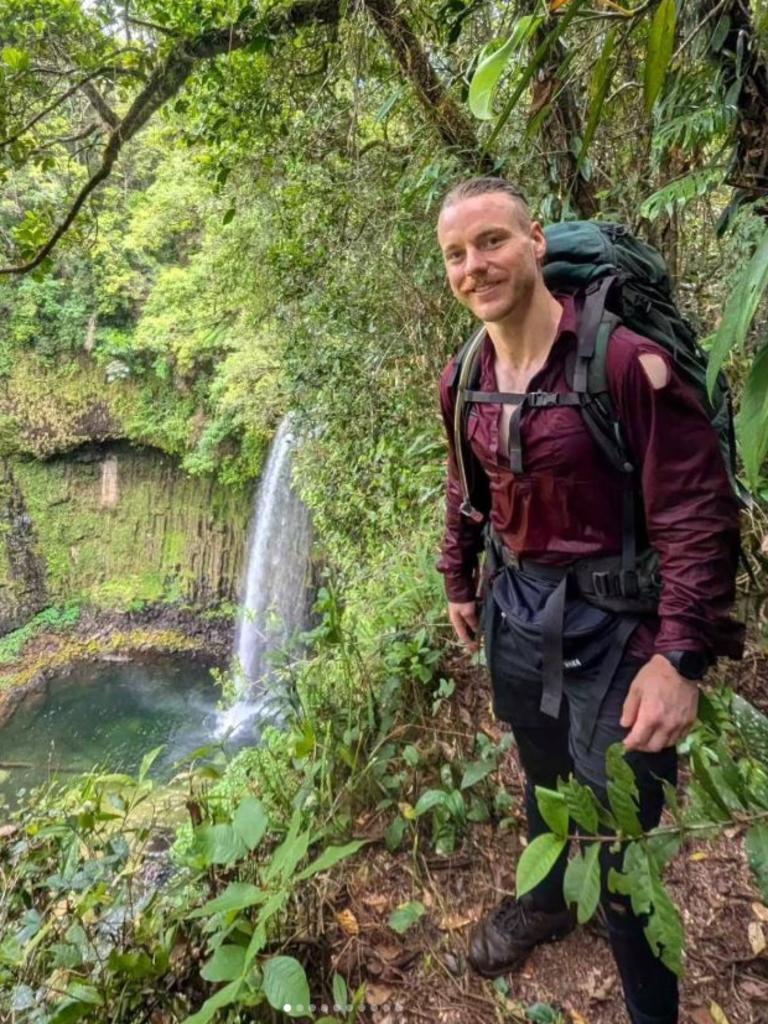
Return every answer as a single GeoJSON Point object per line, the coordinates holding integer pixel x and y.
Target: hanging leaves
{"type": "Point", "coordinates": [739, 310]}
{"type": "Point", "coordinates": [581, 884]}
{"type": "Point", "coordinates": [492, 65]}
{"type": "Point", "coordinates": [598, 90]}
{"type": "Point", "coordinates": [537, 860]}
{"type": "Point", "coordinates": [752, 421]}
{"type": "Point", "coordinates": [661, 41]}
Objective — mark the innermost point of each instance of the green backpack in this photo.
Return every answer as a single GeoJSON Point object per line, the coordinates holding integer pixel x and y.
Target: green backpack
{"type": "Point", "coordinates": [619, 279]}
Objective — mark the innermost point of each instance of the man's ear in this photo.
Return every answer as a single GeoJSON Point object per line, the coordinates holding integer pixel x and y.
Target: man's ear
{"type": "Point", "coordinates": [539, 241]}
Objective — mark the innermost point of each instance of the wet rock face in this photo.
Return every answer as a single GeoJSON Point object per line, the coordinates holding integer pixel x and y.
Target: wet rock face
{"type": "Point", "coordinates": [116, 527]}
{"type": "Point", "coordinates": [23, 592]}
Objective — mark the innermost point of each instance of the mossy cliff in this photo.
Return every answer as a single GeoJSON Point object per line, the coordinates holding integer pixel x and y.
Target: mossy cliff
{"type": "Point", "coordinates": [116, 527]}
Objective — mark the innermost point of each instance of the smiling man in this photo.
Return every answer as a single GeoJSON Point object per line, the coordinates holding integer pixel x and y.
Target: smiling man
{"type": "Point", "coordinates": [582, 653]}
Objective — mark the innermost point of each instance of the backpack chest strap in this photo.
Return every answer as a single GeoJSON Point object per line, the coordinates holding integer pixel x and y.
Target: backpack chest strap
{"type": "Point", "coordinates": [532, 399]}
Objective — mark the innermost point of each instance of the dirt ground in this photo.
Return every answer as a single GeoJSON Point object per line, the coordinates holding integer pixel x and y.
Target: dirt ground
{"type": "Point", "coordinates": [423, 976]}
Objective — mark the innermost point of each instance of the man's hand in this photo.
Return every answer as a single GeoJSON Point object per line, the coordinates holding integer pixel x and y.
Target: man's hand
{"type": "Point", "coordinates": [463, 616]}
{"type": "Point", "coordinates": [660, 708]}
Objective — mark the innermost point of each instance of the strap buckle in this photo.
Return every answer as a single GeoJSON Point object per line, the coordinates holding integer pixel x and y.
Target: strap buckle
{"type": "Point", "coordinates": [467, 509]}
{"type": "Point", "coordinates": [628, 583]}
{"type": "Point", "coordinates": [601, 583]}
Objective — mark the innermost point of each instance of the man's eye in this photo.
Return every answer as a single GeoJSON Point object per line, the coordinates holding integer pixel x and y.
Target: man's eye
{"type": "Point", "coordinates": [453, 257]}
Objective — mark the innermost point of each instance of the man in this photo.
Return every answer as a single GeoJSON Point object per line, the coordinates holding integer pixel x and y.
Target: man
{"type": "Point", "coordinates": [559, 507]}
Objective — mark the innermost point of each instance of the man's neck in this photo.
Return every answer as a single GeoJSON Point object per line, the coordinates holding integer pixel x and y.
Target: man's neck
{"type": "Point", "coordinates": [523, 341]}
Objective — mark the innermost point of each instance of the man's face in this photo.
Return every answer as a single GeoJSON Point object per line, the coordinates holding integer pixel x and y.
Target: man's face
{"type": "Point", "coordinates": [492, 255]}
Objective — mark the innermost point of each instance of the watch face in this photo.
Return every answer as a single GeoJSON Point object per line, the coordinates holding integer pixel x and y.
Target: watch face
{"type": "Point", "coordinates": [691, 664]}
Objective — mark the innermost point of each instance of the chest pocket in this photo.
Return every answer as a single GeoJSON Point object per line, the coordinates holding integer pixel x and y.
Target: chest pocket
{"type": "Point", "coordinates": [555, 439]}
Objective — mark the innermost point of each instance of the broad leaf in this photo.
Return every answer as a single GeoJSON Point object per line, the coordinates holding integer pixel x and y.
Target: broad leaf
{"type": "Point", "coordinates": [226, 964]}
{"type": "Point", "coordinates": [661, 42]}
{"type": "Point", "coordinates": [237, 896]}
{"type": "Point", "coordinates": [329, 857]}
{"type": "Point", "coordinates": [429, 799]}
{"type": "Point", "coordinates": [752, 421]}
{"type": "Point", "coordinates": [757, 854]}
{"type": "Point", "coordinates": [640, 881]}
{"type": "Point", "coordinates": [218, 844]}
{"type": "Point", "coordinates": [250, 821]}
{"type": "Point", "coordinates": [474, 772]}
{"type": "Point", "coordinates": [739, 311]}
{"type": "Point", "coordinates": [491, 67]}
{"type": "Point", "coordinates": [148, 760]}
{"type": "Point", "coordinates": [537, 860]}
{"type": "Point", "coordinates": [285, 986]}
{"type": "Point", "coordinates": [581, 884]}
{"type": "Point", "coordinates": [622, 791]}
{"type": "Point", "coordinates": [753, 728]}
{"type": "Point", "coordinates": [554, 809]}
{"type": "Point", "coordinates": [407, 914]}
{"type": "Point", "coordinates": [219, 999]}
{"type": "Point", "coordinates": [582, 804]}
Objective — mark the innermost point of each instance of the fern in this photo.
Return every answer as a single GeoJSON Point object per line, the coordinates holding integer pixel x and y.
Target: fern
{"type": "Point", "coordinates": [678, 194]}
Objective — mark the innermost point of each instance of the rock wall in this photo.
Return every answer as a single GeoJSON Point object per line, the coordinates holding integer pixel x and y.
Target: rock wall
{"type": "Point", "coordinates": [116, 527]}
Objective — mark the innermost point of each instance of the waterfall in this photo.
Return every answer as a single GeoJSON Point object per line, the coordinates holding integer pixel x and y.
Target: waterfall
{"type": "Point", "coordinates": [276, 593]}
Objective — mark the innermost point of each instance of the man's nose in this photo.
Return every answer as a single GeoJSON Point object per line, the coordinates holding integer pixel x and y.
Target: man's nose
{"type": "Point", "coordinates": [475, 262]}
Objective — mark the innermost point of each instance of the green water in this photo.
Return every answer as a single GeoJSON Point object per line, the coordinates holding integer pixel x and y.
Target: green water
{"type": "Point", "coordinates": [110, 715]}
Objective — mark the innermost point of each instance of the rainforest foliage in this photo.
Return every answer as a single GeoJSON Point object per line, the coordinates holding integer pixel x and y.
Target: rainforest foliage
{"type": "Point", "coordinates": [215, 212]}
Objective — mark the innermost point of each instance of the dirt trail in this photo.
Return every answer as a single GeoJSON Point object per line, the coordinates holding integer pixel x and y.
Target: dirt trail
{"type": "Point", "coordinates": [422, 975]}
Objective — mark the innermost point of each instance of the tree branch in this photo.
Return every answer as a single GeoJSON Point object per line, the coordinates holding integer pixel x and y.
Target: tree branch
{"type": "Point", "coordinates": [443, 113]}
{"type": "Point", "coordinates": [100, 105]}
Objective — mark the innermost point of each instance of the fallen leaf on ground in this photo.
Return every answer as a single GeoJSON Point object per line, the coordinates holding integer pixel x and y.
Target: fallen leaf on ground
{"type": "Point", "coordinates": [387, 952]}
{"type": "Point", "coordinates": [717, 1013]}
{"type": "Point", "coordinates": [452, 922]}
{"type": "Point", "coordinates": [377, 901]}
{"type": "Point", "coordinates": [756, 937]}
{"type": "Point", "coordinates": [376, 995]}
{"type": "Point", "coordinates": [760, 911]}
{"type": "Point", "coordinates": [751, 988]}
{"type": "Point", "coordinates": [577, 1018]}
{"type": "Point", "coordinates": [348, 922]}
{"type": "Point", "coordinates": [8, 830]}
{"type": "Point", "coordinates": [699, 855]}
{"type": "Point", "coordinates": [701, 1015]}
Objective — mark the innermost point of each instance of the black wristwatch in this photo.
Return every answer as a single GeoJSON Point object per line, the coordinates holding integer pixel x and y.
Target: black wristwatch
{"type": "Point", "coordinates": [690, 664]}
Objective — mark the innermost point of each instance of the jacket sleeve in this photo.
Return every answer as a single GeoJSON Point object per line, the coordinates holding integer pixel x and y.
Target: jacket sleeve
{"type": "Point", "coordinates": [692, 515]}
{"type": "Point", "coordinates": [462, 539]}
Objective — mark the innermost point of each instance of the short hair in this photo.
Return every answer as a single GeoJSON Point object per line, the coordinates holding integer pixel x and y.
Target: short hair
{"type": "Point", "coordinates": [481, 186]}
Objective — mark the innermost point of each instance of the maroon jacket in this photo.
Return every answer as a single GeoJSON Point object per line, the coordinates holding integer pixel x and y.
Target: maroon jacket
{"type": "Point", "coordinates": [567, 503]}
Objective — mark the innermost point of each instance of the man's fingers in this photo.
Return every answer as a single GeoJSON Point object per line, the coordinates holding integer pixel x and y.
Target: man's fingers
{"type": "Point", "coordinates": [630, 709]}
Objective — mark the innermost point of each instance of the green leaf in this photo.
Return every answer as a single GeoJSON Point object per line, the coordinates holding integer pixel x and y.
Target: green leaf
{"type": "Point", "coordinates": [554, 809]}
{"type": "Point", "coordinates": [219, 999]}
{"type": "Point", "coordinates": [285, 986]}
{"type": "Point", "coordinates": [752, 726]}
{"type": "Point", "coordinates": [229, 215]}
{"type": "Point", "coordinates": [237, 896]}
{"type": "Point", "coordinates": [537, 860]}
{"type": "Point", "coordinates": [250, 821]}
{"type": "Point", "coordinates": [393, 837]}
{"type": "Point", "coordinates": [622, 791]}
{"type": "Point", "coordinates": [752, 421]}
{"type": "Point", "coordinates": [16, 60]}
{"type": "Point", "coordinates": [329, 857]}
{"type": "Point", "coordinates": [292, 849]}
{"type": "Point", "coordinates": [148, 760]}
{"type": "Point", "coordinates": [582, 804]}
{"type": "Point", "coordinates": [429, 799]}
{"type": "Point", "coordinates": [581, 884]}
{"type": "Point", "coordinates": [226, 964]}
{"type": "Point", "coordinates": [219, 844]}
{"type": "Point", "coordinates": [340, 992]}
{"type": "Point", "coordinates": [475, 771]}
{"type": "Point", "coordinates": [739, 310]}
{"type": "Point", "coordinates": [640, 880]}
{"type": "Point", "coordinates": [757, 855]}
{"type": "Point", "coordinates": [661, 42]}
{"type": "Point", "coordinates": [407, 914]}
{"type": "Point", "coordinates": [492, 64]}
{"type": "Point", "coordinates": [598, 90]}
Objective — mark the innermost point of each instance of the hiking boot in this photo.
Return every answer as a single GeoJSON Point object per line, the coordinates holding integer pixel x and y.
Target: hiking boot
{"type": "Point", "coordinates": [505, 937]}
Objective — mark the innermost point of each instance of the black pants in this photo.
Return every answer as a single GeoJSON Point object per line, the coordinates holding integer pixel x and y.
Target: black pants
{"type": "Point", "coordinates": [551, 748]}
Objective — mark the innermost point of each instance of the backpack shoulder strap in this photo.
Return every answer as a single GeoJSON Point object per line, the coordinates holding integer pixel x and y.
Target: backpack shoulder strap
{"type": "Point", "coordinates": [467, 364]}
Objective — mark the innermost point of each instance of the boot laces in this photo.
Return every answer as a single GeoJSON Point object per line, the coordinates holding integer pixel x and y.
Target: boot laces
{"type": "Point", "coordinates": [510, 916]}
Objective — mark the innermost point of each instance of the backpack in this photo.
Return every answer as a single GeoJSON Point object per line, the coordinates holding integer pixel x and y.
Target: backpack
{"type": "Point", "coordinates": [616, 278]}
